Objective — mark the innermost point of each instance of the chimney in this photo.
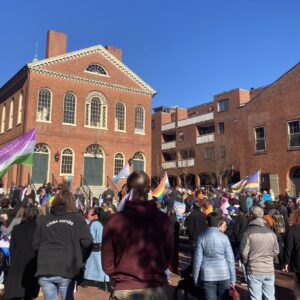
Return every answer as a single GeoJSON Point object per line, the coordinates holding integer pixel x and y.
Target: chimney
{"type": "Point", "coordinates": [56, 43]}
{"type": "Point", "coordinates": [116, 52]}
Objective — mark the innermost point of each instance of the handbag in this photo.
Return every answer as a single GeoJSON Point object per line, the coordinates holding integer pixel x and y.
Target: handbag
{"type": "Point", "coordinates": [96, 247]}
{"type": "Point", "coordinates": [234, 294]}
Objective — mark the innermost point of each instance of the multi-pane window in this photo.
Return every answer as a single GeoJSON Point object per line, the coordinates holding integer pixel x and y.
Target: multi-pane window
{"type": "Point", "coordinates": [294, 133]}
{"type": "Point", "coordinates": [260, 143]}
{"type": "Point", "coordinates": [221, 128]}
{"type": "Point", "coordinates": [11, 114]}
{"type": "Point", "coordinates": [119, 163]}
{"type": "Point", "coordinates": [3, 118]}
{"type": "Point", "coordinates": [222, 151]}
{"type": "Point", "coordinates": [120, 116]}
{"type": "Point", "coordinates": [44, 105]}
{"type": "Point", "coordinates": [138, 161]}
{"type": "Point", "coordinates": [139, 119]}
{"type": "Point", "coordinates": [66, 162]}
{"type": "Point", "coordinates": [180, 136]}
{"type": "Point", "coordinates": [223, 105]}
{"type": "Point", "coordinates": [20, 109]}
{"type": "Point", "coordinates": [95, 68]}
{"type": "Point", "coordinates": [69, 108]}
{"type": "Point", "coordinates": [95, 112]}
{"type": "Point", "coordinates": [208, 152]}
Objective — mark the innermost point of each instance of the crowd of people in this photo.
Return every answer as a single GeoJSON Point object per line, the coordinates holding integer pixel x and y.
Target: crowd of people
{"type": "Point", "coordinates": [55, 240]}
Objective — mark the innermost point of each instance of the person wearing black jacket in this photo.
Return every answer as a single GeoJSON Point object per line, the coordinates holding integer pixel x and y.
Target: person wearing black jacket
{"type": "Point", "coordinates": [59, 240]}
{"type": "Point", "coordinates": [196, 223]}
{"type": "Point", "coordinates": [292, 251]}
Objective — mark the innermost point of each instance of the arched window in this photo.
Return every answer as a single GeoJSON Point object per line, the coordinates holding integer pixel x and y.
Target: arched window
{"type": "Point", "coordinates": [20, 108]}
{"type": "Point", "coordinates": [69, 108]}
{"type": "Point", "coordinates": [96, 68]}
{"type": "Point", "coordinates": [138, 161]}
{"type": "Point", "coordinates": [139, 119]}
{"type": "Point", "coordinates": [44, 105]}
{"type": "Point", "coordinates": [119, 163]}
{"type": "Point", "coordinates": [41, 148]}
{"type": "Point", "coordinates": [11, 114]}
{"type": "Point", "coordinates": [120, 117]}
{"type": "Point", "coordinates": [96, 110]}
{"type": "Point", "coordinates": [66, 167]}
{"type": "Point", "coordinates": [3, 118]}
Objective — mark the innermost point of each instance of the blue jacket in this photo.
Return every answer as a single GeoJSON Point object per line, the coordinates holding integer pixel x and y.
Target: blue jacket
{"type": "Point", "coordinates": [214, 260]}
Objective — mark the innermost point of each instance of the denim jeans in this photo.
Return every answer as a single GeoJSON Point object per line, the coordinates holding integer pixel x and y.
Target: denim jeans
{"type": "Point", "coordinates": [216, 290]}
{"type": "Point", "coordinates": [53, 285]}
{"type": "Point", "coordinates": [260, 285]}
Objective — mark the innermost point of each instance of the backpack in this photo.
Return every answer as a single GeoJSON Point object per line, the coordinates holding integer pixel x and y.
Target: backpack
{"type": "Point", "coordinates": [279, 224]}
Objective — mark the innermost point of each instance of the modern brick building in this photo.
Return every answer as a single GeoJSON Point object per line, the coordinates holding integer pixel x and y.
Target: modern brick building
{"type": "Point", "coordinates": [236, 134]}
{"type": "Point", "coordinates": [92, 114]}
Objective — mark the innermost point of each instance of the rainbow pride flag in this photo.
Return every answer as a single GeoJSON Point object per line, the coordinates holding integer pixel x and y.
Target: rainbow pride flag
{"type": "Point", "coordinates": [67, 179]}
{"type": "Point", "coordinates": [19, 151]}
{"type": "Point", "coordinates": [162, 188]}
{"type": "Point", "coordinates": [250, 184]}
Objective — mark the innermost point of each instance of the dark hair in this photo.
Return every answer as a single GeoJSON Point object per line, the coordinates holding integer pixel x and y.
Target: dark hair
{"type": "Point", "coordinates": [4, 203]}
{"type": "Point", "coordinates": [140, 182]}
{"type": "Point", "coordinates": [213, 219]}
{"type": "Point", "coordinates": [99, 211]}
{"type": "Point", "coordinates": [65, 199]}
{"type": "Point", "coordinates": [30, 214]}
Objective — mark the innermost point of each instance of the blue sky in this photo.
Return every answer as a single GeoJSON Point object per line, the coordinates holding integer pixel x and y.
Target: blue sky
{"type": "Point", "coordinates": [188, 50]}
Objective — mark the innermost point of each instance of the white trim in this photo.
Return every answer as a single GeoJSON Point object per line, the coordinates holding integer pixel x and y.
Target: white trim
{"type": "Point", "coordinates": [75, 111]}
{"type": "Point", "coordinates": [124, 160]}
{"type": "Point", "coordinates": [94, 73]}
{"type": "Point", "coordinates": [51, 100]}
{"type": "Point", "coordinates": [20, 108]}
{"type": "Point", "coordinates": [136, 130]}
{"type": "Point", "coordinates": [49, 157]}
{"type": "Point", "coordinates": [91, 50]}
{"type": "Point", "coordinates": [3, 118]}
{"type": "Point", "coordinates": [125, 127]}
{"type": "Point", "coordinates": [144, 157]}
{"type": "Point", "coordinates": [11, 114]}
{"type": "Point", "coordinates": [103, 156]}
{"type": "Point", "coordinates": [73, 162]}
{"type": "Point", "coordinates": [103, 101]}
{"type": "Point", "coordinates": [89, 81]}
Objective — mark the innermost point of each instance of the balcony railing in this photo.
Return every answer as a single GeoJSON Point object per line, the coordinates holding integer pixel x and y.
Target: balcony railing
{"type": "Point", "coordinates": [168, 126]}
{"type": "Point", "coordinates": [196, 119]}
{"type": "Point", "coordinates": [203, 139]}
{"type": "Point", "coordinates": [168, 145]}
{"type": "Point", "coordinates": [169, 164]}
{"type": "Point", "coordinates": [186, 163]}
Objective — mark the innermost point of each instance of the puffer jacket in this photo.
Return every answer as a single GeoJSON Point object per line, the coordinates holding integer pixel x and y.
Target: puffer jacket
{"type": "Point", "coordinates": [258, 248]}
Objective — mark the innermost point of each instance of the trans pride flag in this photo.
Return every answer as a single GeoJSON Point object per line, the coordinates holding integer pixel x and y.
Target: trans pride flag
{"type": "Point", "coordinates": [19, 151]}
{"type": "Point", "coordinates": [162, 188]}
{"type": "Point", "coordinates": [123, 173]}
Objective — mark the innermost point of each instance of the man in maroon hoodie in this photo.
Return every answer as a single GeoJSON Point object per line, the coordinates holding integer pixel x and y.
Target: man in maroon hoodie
{"type": "Point", "coordinates": [137, 245]}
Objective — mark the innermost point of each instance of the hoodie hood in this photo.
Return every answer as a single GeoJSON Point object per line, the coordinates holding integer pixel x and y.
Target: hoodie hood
{"type": "Point", "coordinates": [143, 208]}
{"type": "Point", "coordinates": [258, 222]}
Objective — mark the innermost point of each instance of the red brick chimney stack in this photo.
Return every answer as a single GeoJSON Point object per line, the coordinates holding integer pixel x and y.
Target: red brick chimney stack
{"type": "Point", "coordinates": [116, 52]}
{"type": "Point", "coordinates": [56, 43]}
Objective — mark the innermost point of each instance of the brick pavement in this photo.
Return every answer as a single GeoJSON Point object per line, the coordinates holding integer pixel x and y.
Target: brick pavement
{"type": "Point", "coordinates": [284, 287]}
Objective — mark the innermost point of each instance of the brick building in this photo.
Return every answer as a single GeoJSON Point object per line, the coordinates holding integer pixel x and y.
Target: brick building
{"type": "Point", "coordinates": [92, 114]}
{"type": "Point", "coordinates": [239, 132]}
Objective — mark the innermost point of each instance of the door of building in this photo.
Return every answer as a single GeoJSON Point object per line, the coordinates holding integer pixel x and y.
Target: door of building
{"type": "Point", "coordinates": [40, 168]}
{"type": "Point", "coordinates": [93, 170]}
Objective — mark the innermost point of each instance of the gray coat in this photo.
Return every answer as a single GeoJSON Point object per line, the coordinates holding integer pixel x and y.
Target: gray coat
{"type": "Point", "coordinates": [258, 248]}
